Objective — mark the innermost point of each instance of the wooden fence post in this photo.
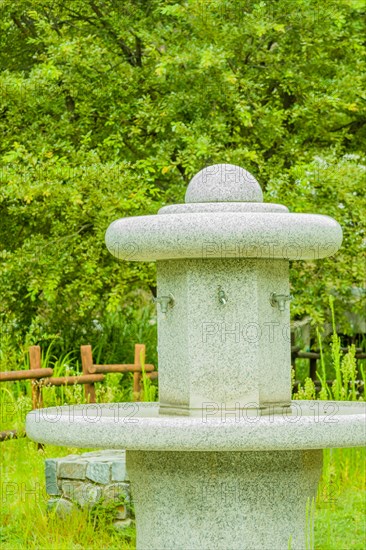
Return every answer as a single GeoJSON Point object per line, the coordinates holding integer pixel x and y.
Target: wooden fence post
{"type": "Point", "coordinates": [140, 351]}
{"type": "Point", "coordinates": [87, 361]}
{"type": "Point", "coordinates": [37, 397]}
{"type": "Point", "coordinates": [312, 373]}
{"type": "Point", "coordinates": [35, 363]}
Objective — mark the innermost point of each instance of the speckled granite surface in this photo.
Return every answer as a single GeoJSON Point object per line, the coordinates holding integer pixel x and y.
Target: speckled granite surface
{"type": "Point", "coordinates": [139, 426]}
{"type": "Point", "coordinates": [224, 235]}
{"type": "Point", "coordinates": [237, 353]}
{"type": "Point", "coordinates": [222, 501]}
{"type": "Point", "coordinates": [224, 217]}
{"type": "Point", "coordinates": [223, 183]}
{"type": "Point", "coordinates": [222, 207]}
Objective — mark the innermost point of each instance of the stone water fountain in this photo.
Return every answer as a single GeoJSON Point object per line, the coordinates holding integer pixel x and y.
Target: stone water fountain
{"type": "Point", "coordinates": [225, 460]}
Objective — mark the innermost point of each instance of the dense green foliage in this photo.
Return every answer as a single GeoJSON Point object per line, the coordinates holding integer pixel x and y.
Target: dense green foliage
{"type": "Point", "coordinates": [107, 108]}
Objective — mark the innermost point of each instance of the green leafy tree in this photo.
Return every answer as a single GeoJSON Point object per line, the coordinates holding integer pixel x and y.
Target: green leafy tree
{"type": "Point", "coordinates": [107, 109]}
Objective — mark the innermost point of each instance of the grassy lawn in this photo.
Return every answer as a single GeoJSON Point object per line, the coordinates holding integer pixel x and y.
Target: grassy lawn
{"type": "Point", "coordinates": [339, 518]}
{"type": "Point", "coordinates": [24, 520]}
{"type": "Point", "coordinates": [342, 526]}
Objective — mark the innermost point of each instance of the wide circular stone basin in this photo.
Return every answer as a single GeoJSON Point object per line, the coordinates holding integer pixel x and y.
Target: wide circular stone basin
{"type": "Point", "coordinates": [139, 426]}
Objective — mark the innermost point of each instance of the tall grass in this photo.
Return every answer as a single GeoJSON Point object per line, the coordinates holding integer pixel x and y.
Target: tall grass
{"type": "Point", "coordinates": [115, 344]}
{"type": "Point", "coordinates": [341, 499]}
{"type": "Point", "coordinates": [114, 337]}
{"type": "Point", "coordinates": [343, 365]}
{"type": "Point", "coordinates": [149, 390]}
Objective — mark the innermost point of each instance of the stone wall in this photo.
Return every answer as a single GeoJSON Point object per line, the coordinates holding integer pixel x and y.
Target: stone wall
{"type": "Point", "coordinates": [90, 480]}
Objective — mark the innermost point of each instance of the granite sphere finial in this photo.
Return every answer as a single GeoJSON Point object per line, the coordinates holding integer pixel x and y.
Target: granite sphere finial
{"type": "Point", "coordinates": [223, 183]}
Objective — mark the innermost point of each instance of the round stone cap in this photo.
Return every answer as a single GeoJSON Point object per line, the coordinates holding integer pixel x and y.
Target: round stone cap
{"type": "Point", "coordinates": [224, 211]}
{"type": "Point", "coordinates": [223, 183]}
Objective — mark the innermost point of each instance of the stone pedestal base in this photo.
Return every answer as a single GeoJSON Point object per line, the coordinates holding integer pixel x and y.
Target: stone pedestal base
{"type": "Point", "coordinates": [90, 480]}
{"type": "Point", "coordinates": [224, 500]}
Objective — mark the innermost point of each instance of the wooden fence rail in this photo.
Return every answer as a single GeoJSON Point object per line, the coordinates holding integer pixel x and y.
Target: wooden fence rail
{"type": "Point", "coordinates": [92, 373]}
{"type": "Point", "coordinates": [12, 376]}
{"type": "Point", "coordinates": [43, 377]}
{"type": "Point", "coordinates": [314, 356]}
{"type": "Point", "coordinates": [136, 368]}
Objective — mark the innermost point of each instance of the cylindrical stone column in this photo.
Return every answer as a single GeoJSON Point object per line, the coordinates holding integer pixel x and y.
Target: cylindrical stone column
{"type": "Point", "coordinates": [224, 500]}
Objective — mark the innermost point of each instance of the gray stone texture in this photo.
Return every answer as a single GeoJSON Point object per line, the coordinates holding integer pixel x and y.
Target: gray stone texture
{"type": "Point", "coordinates": [87, 480]}
{"type": "Point", "coordinates": [308, 425]}
{"type": "Point", "coordinates": [224, 235]}
{"type": "Point", "coordinates": [223, 183]}
{"type": "Point", "coordinates": [51, 477]}
{"type": "Point", "coordinates": [101, 467]}
{"type": "Point", "coordinates": [230, 500]}
{"type": "Point", "coordinates": [222, 207]}
{"type": "Point", "coordinates": [71, 469]}
{"type": "Point", "coordinates": [224, 216]}
{"type": "Point", "coordinates": [238, 354]}
{"type": "Point", "coordinates": [119, 472]}
{"type": "Point", "coordinates": [98, 471]}
{"type": "Point", "coordinates": [83, 493]}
